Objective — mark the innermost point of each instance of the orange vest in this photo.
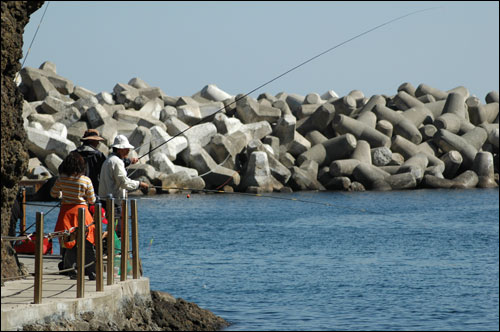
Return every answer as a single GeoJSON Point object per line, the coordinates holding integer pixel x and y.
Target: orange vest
{"type": "Point", "coordinates": [68, 218]}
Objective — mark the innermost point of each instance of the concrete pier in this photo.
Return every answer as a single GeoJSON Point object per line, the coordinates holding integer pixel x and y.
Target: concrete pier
{"type": "Point", "coordinates": [59, 296]}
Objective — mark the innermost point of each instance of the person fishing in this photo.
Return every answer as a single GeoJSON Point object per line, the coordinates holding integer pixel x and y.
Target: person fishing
{"type": "Point", "coordinates": [92, 156]}
{"type": "Point", "coordinates": [95, 158]}
{"type": "Point", "coordinates": [113, 177]}
{"type": "Point", "coordinates": [76, 191]}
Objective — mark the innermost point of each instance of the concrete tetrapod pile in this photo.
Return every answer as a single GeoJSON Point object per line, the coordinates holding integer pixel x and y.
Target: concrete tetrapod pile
{"type": "Point", "coordinates": [418, 138]}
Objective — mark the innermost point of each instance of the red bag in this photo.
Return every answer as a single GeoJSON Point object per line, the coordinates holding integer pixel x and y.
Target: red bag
{"type": "Point", "coordinates": [27, 246]}
{"type": "Point", "coordinates": [103, 213]}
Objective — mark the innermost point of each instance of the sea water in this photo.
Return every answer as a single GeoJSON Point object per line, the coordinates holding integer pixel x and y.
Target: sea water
{"type": "Point", "coordinates": [400, 260]}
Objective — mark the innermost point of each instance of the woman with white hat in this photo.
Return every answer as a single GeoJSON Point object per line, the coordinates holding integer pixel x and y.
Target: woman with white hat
{"type": "Point", "coordinates": [114, 177]}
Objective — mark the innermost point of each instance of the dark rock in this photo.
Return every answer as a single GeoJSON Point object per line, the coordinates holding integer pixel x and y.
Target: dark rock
{"type": "Point", "coordinates": [161, 312]}
{"type": "Point", "coordinates": [183, 316]}
{"type": "Point", "coordinates": [15, 15]}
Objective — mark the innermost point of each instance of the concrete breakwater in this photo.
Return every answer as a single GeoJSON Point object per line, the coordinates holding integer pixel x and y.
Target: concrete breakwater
{"type": "Point", "coordinates": [418, 138]}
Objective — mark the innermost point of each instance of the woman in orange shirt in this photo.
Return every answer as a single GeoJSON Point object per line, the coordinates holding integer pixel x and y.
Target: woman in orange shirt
{"type": "Point", "coordinates": [76, 191]}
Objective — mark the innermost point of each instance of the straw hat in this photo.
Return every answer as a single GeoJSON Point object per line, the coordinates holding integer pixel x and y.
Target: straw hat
{"type": "Point", "coordinates": [91, 134]}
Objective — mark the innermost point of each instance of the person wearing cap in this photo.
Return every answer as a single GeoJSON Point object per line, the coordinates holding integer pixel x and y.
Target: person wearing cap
{"type": "Point", "coordinates": [113, 177]}
{"type": "Point", "coordinates": [93, 157]}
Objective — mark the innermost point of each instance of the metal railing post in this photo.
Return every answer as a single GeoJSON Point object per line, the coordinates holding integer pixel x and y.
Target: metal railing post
{"type": "Point", "coordinates": [124, 232]}
{"type": "Point", "coordinates": [110, 207]}
{"type": "Point", "coordinates": [80, 247]}
{"type": "Point", "coordinates": [99, 284]}
{"type": "Point", "coordinates": [135, 239]}
{"type": "Point", "coordinates": [22, 227]}
{"type": "Point", "coordinates": [38, 258]}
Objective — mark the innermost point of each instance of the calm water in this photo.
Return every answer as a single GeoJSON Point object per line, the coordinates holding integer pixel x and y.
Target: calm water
{"type": "Point", "coordinates": [411, 260]}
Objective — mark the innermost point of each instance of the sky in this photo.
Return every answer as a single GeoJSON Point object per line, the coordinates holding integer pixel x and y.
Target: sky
{"type": "Point", "coordinates": [238, 46]}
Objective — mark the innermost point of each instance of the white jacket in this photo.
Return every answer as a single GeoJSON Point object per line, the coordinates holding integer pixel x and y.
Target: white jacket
{"type": "Point", "coordinates": [114, 178]}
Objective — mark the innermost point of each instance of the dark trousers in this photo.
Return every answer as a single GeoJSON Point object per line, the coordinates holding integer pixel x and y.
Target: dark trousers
{"type": "Point", "coordinates": [70, 258]}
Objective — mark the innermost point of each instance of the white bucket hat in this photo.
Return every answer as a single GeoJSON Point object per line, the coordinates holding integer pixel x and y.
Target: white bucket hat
{"type": "Point", "coordinates": [121, 142]}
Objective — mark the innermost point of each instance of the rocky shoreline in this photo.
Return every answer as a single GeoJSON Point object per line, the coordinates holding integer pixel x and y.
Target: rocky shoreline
{"type": "Point", "coordinates": [161, 312]}
{"type": "Point", "coordinates": [418, 138]}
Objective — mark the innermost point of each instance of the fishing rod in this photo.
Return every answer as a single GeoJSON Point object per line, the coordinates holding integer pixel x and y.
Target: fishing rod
{"type": "Point", "coordinates": [31, 44]}
{"type": "Point", "coordinates": [294, 68]}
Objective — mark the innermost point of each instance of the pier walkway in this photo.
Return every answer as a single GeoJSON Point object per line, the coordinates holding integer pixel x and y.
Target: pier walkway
{"type": "Point", "coordinates": [59, 297]}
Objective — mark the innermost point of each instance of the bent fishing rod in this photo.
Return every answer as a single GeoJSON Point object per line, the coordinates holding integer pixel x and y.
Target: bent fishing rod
{"type": "Point", "coordinates": [294, 68]}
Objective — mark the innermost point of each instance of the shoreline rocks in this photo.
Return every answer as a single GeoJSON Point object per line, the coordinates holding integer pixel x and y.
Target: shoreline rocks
{"type": "Point", "coordinates": [160, 312]}
{"type": "Point", "coordinates": [418, 138]}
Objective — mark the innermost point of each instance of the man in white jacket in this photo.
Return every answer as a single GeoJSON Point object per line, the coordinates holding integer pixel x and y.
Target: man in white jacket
{"type": "Point", "coordinates": [114, 177]}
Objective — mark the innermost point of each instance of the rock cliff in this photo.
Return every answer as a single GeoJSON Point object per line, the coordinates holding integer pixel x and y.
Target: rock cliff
{"type": "Point", "coordinates": [15, 16]}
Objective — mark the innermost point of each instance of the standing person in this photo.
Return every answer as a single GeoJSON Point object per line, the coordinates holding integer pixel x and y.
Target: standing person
{"type": "Point", "coordinates": [93, 157]}
{"type": "Point", "coordinates": [114, 176]}
{"type": "Point", "coordinates": [76, 191]}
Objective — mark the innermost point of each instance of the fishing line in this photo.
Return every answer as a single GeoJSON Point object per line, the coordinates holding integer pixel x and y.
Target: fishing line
{"type": "Point", "coordinates": [45, 214]}
{"type": "Point", "coordinates": [29, 48]}
{"type": "Point", "coordinates": [336, 205]}
{"type": "Point", "coordinates": [272, 80]}
{"type": "Point", "coordinates": [294, 68]}
{"type": "Point", "coordinates": [243, 193]}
